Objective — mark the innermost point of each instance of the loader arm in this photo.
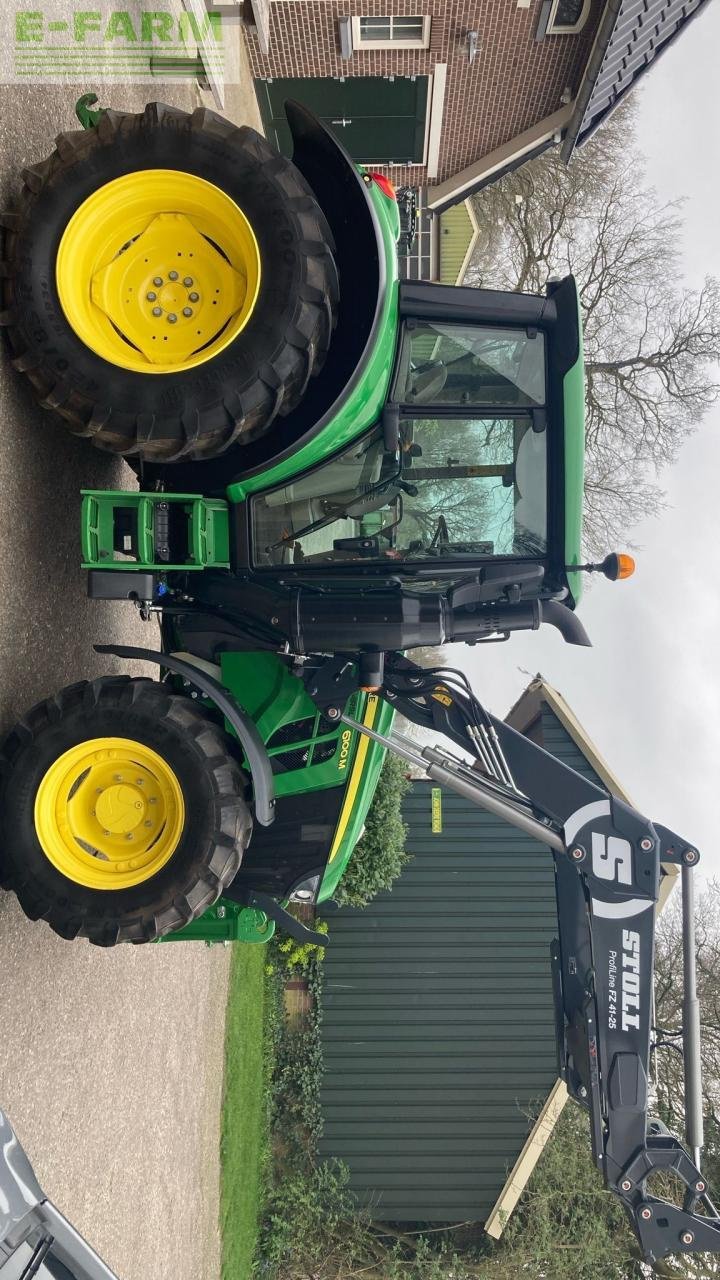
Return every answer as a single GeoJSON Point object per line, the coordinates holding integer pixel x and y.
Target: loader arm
{"type": "Point", "coordinates": [608, 869]}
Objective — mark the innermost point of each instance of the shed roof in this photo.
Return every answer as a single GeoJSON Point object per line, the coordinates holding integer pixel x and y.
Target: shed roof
{"type": "Point", "coordinates": [437, 1016]}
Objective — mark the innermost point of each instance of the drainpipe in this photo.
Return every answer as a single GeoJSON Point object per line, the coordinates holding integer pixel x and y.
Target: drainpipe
{"type": "Point", "coordinates": [592, 71]}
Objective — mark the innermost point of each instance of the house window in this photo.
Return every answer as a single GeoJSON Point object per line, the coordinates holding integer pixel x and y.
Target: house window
{"type": "Point", "coordinates": [567, 17]}
{"type": "Point", "coordinates": [391, 32]}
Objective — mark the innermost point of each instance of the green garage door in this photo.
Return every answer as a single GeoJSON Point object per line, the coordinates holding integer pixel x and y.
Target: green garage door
{"type": "Point", "coordinates": [379, 121]}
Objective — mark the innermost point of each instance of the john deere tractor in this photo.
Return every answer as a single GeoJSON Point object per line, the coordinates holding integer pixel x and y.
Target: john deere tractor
{"type": "Point", "coordinates": [329, 462]}
{"type": "Point", "coordinates": [334, 468]}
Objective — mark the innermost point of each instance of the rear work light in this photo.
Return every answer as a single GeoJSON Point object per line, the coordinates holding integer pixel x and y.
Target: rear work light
{"type": "Point", "coordinates": [384, 184]}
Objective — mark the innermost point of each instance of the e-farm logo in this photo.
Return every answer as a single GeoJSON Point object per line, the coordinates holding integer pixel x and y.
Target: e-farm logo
{"type": "Point", "coordinates": [133, 43]}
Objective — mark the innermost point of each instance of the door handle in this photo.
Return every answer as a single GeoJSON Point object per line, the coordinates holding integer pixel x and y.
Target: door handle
{"type": "Point", "coordinates": [342, 122]}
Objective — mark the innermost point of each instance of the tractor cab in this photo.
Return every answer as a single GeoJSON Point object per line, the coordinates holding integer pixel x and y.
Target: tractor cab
{"type": "Point", "coordinates": [475, 458]}
{"type": "Point", "coordinates": [451, 510]}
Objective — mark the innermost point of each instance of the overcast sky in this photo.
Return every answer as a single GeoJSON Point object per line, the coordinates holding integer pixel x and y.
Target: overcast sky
{"type": "Point", "coordinates": [648, 693]}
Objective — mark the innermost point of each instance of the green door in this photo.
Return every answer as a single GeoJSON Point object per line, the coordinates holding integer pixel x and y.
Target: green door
{"type": "Point", "coordinates": [379, 121]}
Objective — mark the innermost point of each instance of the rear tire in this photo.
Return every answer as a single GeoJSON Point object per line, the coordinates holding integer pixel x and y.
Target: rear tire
{"type": "Point", "coordinates": [232, 396]}
{"type": "Point", "coordinates": [213, 832]}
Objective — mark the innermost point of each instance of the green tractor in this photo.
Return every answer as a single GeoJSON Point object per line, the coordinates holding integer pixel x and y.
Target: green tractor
{"type": "Point", "coordinates": [329, 461]}
{"type": "Point", "coordinates": [334, 469]}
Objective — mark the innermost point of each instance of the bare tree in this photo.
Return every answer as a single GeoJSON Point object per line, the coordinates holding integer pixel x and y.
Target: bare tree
{"type": "Point", "coordinates": [651, 346]}
{"type": "Point", "coordinates": [668, 1012]}
{"type": "Point", "coordinates": [667, 1076]}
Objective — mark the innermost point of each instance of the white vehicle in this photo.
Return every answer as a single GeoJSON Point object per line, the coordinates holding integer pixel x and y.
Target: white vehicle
{"type": "Point", "coordinates": [36, 1241]}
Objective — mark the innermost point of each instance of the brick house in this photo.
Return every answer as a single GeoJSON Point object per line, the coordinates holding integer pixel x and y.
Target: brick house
{"type": "Point", "coordinates": [448, 94]}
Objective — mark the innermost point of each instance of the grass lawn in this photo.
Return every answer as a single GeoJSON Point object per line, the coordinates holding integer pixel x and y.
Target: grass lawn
{"type": "Point", "coordinates": [245, 1113]}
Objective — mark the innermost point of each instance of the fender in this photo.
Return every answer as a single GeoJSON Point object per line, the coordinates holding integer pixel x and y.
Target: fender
{"type": "Point", "coordinates": [243, 726]}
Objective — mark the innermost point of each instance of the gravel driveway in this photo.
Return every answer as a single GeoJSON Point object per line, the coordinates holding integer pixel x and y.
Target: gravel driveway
{"type": "Point", "coordinates": [110, 1061]}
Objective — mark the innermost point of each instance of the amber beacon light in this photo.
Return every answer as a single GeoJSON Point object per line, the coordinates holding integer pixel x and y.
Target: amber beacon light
{"type": "Point", "coordinates": [616, 565]}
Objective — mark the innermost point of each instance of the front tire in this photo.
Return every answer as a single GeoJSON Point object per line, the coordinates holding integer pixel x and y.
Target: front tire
{"type": "Point", "coordinates": [122, 811]}
{"type": "Point", "coordinates": [170, 370]}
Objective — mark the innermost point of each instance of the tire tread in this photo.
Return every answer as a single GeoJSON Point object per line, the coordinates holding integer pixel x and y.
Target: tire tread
{"type": "Point", "coordinates": [217, 862]}
{"type": "Point", "coordinates": [313, 314]}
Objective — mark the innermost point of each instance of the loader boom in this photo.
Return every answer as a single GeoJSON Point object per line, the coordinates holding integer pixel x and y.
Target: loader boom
{"type": "Point", "coordinates": [608, 865]}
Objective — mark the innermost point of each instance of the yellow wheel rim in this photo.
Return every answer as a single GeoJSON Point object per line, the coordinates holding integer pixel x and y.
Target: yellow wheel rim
{"type": "Point", "coordinates": [158, 271]}
{"type": "Point", "coordinates": [109, 813]}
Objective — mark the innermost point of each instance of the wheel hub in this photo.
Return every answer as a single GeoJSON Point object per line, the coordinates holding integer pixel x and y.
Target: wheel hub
{"type": "Point", "coordinates": [144, 295]}
{"type": "Point", "coordinates": [120, 809]}
{"type": "Point", "coordinates": [158, 271]}
{"type": "Point", "coordinates": [109, 813]}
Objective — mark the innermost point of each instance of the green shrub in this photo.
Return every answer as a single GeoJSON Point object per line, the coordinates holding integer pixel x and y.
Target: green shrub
{"type": "Point", "coordinates": [298, 1068]}
{"type": "Point", "coordinates": [567, 1224]}
{"type": "Point", "coordinates": [379, 856]}
{"type": "Point", "coordinates": [314, 1230]}
{"type": "Point", "coordinates": [297, 957]}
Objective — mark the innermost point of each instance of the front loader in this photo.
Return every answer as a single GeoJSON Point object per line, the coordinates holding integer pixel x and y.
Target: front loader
{"type": "Point", "coordinates": [335, 468]}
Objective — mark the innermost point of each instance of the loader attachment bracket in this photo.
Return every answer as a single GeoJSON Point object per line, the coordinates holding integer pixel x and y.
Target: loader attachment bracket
{"type": "Point", "coordinates": [290, 925]}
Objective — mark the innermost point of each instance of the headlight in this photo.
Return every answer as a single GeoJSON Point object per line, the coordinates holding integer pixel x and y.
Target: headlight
{"type": "Point", "coordinates": [306, 890]}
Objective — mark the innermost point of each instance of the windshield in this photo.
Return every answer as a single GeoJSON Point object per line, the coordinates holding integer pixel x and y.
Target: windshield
{"type": "Point", "coordinates": [454, 364]}
{"type": "Point", "coordinates": [460, 488]}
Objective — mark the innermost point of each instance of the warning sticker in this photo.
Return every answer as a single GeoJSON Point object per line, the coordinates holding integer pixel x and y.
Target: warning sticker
{"type": "Point", "coordinates": [436, 810]}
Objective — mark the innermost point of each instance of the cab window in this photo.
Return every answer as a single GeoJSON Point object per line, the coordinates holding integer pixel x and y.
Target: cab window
{"type": "Point", "coordinates": [452, 364]}
{"type": "Point", "coordinates": [460, 488]}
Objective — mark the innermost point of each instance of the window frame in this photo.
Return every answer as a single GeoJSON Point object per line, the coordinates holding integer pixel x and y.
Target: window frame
{"type": "Point", "coordinates": [410, 408]}
{"type": "Point", "coordinates": [555, 29]}
{"type": "Point", "coordinates": [360, 45]}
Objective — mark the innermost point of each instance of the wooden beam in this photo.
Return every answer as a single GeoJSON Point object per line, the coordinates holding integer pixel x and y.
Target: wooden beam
{"type": "Point", "coordinates": [526, 1161]}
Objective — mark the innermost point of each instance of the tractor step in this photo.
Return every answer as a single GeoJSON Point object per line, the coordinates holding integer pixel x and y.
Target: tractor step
{"type": "Point", "coordinates": [155, 531]}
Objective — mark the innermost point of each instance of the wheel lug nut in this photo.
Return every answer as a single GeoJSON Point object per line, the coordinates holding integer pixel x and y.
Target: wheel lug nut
{"type": "Point", "coordinates": [157, 311]}
{"type": "Point", "coordinates": [158, 281]}
{"type": "Point", "coordinates": [194, 297]}
{"type": "Point", "coordinates": [172, 317]}
{"type": "Point", "coordinates": [152, 800]}
{"type": "Point", "coordinates": [118, 777]}
{"type": "Point", "coordinates": [129, 835]}
{"type": "Point", "coordinates": [151, 296]}
{"type": "Point", "coordinates": [188, 281]}
{"type": "Point", "coordinates": [147, 822]}
{"type": "Point", "coordinates": [172, 275]}
{"type": "Point", "coordinates": [187, 311]}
